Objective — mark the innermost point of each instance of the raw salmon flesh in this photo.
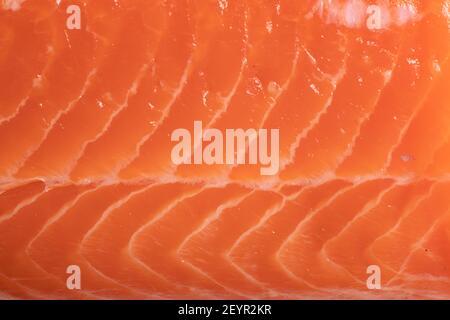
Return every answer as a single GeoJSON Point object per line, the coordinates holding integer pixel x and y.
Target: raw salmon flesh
{"type": "Point", "coordinates": [224, 149]}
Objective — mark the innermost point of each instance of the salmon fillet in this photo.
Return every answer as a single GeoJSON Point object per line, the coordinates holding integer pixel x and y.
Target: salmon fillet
{"type": "Point", "coordinates": [353, 96]}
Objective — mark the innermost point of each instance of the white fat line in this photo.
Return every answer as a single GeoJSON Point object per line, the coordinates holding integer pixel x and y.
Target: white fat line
{"type": "Point", "coordinates": [176, 93]}
{"type": "Point", "coordinates": [61, 212]}
{"type": "Point", "coordinates": [275, 99]}
{"type": "Point", "coordinates": [387, 80]}
{"type": "Point", "coordinates": [416, 246]}
{"type": "Point", "coordinates": [24, 203]}
{"type": "Point", "coordinates": [19, 108]}
{"type": "Point", "coordinates": [335, 80]}
{"type": "Point", "coordinates": [226, 101]}
{"type": "Point", "coordinates": [107, 213]}
{"type": "Point", "coordinates": [166, 111]}
{"type": "Point", "coordinates": [35, 83]}
{"type": "Point", "coordinates": [159, 216]}
{"type": "Point", "coordinates": [132, 91]}
{"type": "Point", "coordinates": [210, 278]}
{"type": "Point", "coordinates": [111, 208]}
{"type": "Point", "coordinates": [370, 205]}
{"type": "Point", "coordinates": [271, 211]}
{"type": "Point", "coordinates": [311, 215]}
{"type": "Point", "coordinates": [419, 107]}
{"type": "Point", "coordinates": [28, 291]}
{"type": "Point", "coordinates": [111, 280]}
{"type": "Point", "coordinates": [287, 83]}
{"type": "Point", "coordinates": [53, 122]}
{"type": "Point", "coordinates": [407, 212]}
{"type": "Point", "coordinates": [214, 215]}
{"type": "Point", "coordinates": [50, 222]}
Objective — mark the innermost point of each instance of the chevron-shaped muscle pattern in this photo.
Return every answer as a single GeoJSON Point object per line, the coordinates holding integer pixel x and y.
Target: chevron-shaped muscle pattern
{"type": "Point", "coordinates": [87, 179]}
